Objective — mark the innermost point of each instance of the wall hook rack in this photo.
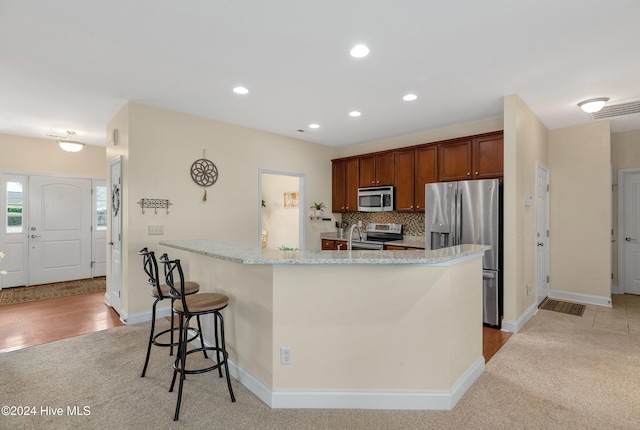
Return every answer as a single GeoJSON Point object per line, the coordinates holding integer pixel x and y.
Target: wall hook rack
{"type": "Point", "coordinates": [154, 204]}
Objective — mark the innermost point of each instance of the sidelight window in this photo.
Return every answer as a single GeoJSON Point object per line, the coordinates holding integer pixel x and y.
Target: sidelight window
{"type": "Point", "coordinates": [101, 207]}
{"type": "Point", "coordinates": [15, 205]}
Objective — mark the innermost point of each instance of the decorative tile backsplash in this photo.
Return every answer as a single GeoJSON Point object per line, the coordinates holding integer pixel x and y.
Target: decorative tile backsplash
{"type": "Point", "coordinates": [412, 223]}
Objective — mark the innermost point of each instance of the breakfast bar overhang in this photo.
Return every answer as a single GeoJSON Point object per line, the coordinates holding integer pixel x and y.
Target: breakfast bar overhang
{"type": "Point", "coordinates": [365, 329]}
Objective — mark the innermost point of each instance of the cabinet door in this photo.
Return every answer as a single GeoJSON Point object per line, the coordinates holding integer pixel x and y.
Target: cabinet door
{"type": "Point", "coordinates": [338, 181]}
{"type": "Point", "coordinates": [328, 244]}
{"type": "Point", "coordinates": [455, 161]}
{"type": "Point", "coordinates": [351, 185]}
{"type": "Point", "coordinates": [404, 180]}
{"type": "Point", "coordinates": [368, 171]}
{"type": "Point", "coordinates": [385, 168]}
{"type": "Point", "coordinates": [426, 171]}
{"type": "Point", "coordinates": [488, 157]}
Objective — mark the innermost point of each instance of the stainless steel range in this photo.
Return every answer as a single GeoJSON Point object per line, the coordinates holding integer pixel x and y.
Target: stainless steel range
{"type": "Point", "coordinates": [377, 235]}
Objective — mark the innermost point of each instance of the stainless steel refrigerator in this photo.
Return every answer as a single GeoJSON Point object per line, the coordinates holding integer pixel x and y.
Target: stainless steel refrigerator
{"type": "Point", "coordinates": [470, 212]}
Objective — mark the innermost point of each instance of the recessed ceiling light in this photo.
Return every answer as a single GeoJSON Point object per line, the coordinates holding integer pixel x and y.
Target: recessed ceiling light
{"type": "Point", "coordinates": [409, 97]}
{"type": "Point", "coordinates": [359, 51]}
{"type": "Point", "coordinates": [314, 126]}
{"type": "Point", "coordinates": [240, 90]}
{"type": "Point", "coordinates": [354, 113]}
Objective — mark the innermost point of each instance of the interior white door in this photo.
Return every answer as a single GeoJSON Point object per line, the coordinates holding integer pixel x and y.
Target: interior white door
{"type": "Point", "coordinates": [630, 231]}
{"type": "Point", "coordinates": [542, 232]}
{"type": "Point", "coordinates": [13, 237]}
{"type": "Point", "coordinates": [59, 229]}
{"type": "Point", "coordinates": [115, 237]}
{"type": "Point", "coordinates": [99, 227]}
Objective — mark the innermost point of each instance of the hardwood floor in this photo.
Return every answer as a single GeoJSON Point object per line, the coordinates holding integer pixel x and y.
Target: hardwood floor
{"type": "Point", "coordinates": [492, 341]}
{"type": "Point", "coordinates": [44, 321]}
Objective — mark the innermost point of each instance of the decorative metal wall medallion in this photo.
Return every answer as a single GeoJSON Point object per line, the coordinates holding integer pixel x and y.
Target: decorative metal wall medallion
{"type": "Point", "coordinates": [204, 173]}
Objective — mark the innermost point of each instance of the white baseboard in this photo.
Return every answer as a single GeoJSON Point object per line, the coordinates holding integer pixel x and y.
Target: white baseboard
{"type": "Point", "coordinates": [141, 317]}
{"type": "Point", "coordinates": [411, 400]}
{"type": "Point", "coordinates": [516, 326]}
{"type": "Point", "coordinates": [586, 299]}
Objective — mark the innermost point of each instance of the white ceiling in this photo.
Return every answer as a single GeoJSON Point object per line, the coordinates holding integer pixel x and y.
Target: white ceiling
{"type": "Point", "coordinates": [72, 64]}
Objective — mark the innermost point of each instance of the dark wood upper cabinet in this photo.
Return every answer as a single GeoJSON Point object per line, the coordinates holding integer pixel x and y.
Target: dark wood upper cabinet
{"type": "Point", "coordinates": [455, 161]}
{"type": "Point", "coordinates": [376, 169]}
{"type": "Point", "coordinates": [405, 180]}
{"type": "Point", "coordinates": [344, 187]}
{"type": "Point", "coordinates": [426, 172]}
{"type": "Point", "coordinates": [488, 157]}
{"type": "Point", "coordinates": [409, 169]}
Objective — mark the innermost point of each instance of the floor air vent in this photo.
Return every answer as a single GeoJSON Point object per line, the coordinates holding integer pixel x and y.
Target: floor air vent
{"type": "Point", "coordinates": [617, 110]}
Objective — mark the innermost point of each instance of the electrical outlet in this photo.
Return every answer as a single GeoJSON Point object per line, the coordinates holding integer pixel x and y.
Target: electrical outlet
{"type": "Point", "coordinates": [285, 355]}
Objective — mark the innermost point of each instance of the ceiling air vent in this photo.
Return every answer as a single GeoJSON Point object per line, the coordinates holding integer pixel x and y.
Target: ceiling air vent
{"type": "Point", "coordinates": [617, 110]}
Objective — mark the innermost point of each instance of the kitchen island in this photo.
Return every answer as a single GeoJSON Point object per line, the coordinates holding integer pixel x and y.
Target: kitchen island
{"type": "Point", "coordinates": [366, 329]}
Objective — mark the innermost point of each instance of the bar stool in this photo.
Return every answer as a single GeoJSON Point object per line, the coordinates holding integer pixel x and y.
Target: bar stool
{"type": "Point", "coordinates": [187, 307]}
{"type": "Point", "coordinates": [160, 292]}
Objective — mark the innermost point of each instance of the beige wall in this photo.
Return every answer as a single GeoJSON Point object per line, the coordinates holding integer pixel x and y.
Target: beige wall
{"type": "Point", "coordinates": [525, 140]}
{"type": "Point", "coordinates": [459, 130]}
{"type": "Point", "coordinates": [158, 148]}
{"type": "Point", "coordinates": [44, 156]}
{"type": "Point", "coordinates": [580, 209]}
{"type": "Point", "coordinates": [625, 154]}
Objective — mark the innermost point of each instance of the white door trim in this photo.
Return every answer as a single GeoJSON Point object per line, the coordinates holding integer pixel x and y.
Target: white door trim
{"type": "Point", "coordinates": [542, 235]}
{"type": "Point", "coordinates": [302, 233]}
{"type": "Point", "coordinates": [621, 226]}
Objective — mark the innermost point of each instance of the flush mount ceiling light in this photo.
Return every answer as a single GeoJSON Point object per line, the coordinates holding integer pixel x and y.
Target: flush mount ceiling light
{"type": "Point", "coordinates": [314, 125]}
{"type": "Point", "coordinates": [68, 144]}
{"type": "Point", "coordinates": [593, 105]}
{"type": "Point", "coordinates": [359, 51]}
{"type": "Point", "coordinates": [354, 114]}
{"type": "Point", "coordinates": [409, 97]}
{"type": "Point", "coordinates": [240, 90]}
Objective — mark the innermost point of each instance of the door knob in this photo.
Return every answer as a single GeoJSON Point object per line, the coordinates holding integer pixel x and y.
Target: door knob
{"type": "Point", "coordinates": [540, 244]}
{"type": "Point", "coordinates": [628, 239]}
{"type": "Point", "coordinates": [33, 236]}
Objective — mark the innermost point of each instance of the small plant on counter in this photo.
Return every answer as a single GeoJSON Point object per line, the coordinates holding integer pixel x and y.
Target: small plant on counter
{"type": "Point", "coordinates": [317, 206]}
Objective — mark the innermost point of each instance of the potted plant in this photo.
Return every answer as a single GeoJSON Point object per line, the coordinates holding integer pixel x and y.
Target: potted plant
{"type": "Point", "coordinates": [317, 207]}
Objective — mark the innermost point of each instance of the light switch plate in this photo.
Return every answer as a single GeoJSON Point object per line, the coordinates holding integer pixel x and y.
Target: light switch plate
{"type": "Point", "coordinates": [156, 230]}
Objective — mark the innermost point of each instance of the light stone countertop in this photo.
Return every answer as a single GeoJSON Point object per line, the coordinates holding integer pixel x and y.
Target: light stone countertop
{"type": "Point", "coordinates": [253, 255]}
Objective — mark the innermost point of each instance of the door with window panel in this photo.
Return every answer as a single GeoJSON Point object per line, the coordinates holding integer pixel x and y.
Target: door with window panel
{"type": "Point", "coordinates": [13, 238]}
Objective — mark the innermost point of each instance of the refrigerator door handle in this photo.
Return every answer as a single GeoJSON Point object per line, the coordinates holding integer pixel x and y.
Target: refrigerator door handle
{"type": "Point", "coordinates": [458, 227]}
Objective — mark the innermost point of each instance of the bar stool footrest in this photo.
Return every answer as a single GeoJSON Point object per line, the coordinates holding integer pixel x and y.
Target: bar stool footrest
{"type": "Point", "coordinates": [223, 361]}
{"type": "Point", "coordinates": [195, 331]}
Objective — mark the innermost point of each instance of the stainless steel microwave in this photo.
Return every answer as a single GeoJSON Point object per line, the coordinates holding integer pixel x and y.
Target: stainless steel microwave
{"type": "Point", "coordinates": [375, 199]}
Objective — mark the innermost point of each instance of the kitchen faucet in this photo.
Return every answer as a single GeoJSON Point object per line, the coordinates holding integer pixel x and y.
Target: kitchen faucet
{"type": "Point", "coordinates": [353, 227]}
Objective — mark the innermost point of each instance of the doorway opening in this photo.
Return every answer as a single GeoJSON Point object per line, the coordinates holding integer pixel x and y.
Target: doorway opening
{"type": "Point", "coordinates": [281, 213]}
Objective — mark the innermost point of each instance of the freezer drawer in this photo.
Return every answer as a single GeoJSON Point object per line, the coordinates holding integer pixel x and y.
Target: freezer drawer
{"type": "Point", "coordinates": [490, 297]}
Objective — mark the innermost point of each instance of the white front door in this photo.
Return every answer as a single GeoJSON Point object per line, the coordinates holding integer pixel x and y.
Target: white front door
{"type": "Point", "coordinates": [629, 201]}
{"type": "Point", "coordinates": [115, 195]}
{"type": "Point", "coordinates": [13, 238]}
{"type": "Point", "coordinates": [542, 232]}
{"type": "Point", "coordinates": [59, 229]}
{"type": "Point", "coordinates": [99, 227]}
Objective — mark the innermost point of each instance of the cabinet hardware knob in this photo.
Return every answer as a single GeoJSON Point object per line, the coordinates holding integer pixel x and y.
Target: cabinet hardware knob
{"type": "Point", "coordinates": [468, 173]}
{"type": "Point", "coordinates": [476, 173]}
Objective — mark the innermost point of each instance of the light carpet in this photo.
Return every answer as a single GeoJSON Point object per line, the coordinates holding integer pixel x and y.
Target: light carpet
{"type": "Point", "coordinates": [554, 374]}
